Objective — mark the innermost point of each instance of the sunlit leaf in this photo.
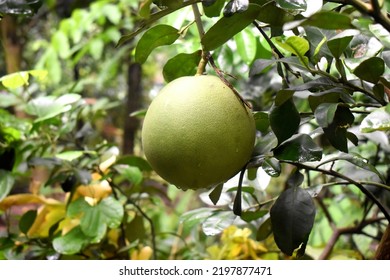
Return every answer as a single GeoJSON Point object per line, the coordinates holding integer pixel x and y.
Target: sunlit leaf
{"type": "Point", "coordinates": [246, 45]}
{"type": "Point", "coordinates": [298, 46]}
{"type": "Point", "coordinates": [227, 27]}
{"type": "Point", "coordinates": [298, 5]}
{"type": "Point", "coordinates": [156, 36]}
{"type": "Point", "coordinates": [292, 218]}
{"type": "Point", "coordinates": [15, 80]}
{"type": "Point", "coordinates": [378, 120]}
{"type": "Point", "coordinates": [69, 155]}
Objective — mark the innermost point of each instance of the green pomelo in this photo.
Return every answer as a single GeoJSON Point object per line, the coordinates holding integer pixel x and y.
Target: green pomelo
{"type": "Point", "coordinates": [197, 133]}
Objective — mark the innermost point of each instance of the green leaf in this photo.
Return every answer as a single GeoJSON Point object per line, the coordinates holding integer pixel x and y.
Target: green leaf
{"type": "Point", "coordinates": [271, 166]}
{"type": "Point", "coordinates": [300, 148]}
{"type": "Point", "coordinates": [130, 173]}
{"type": "Point", "coordinates": [71, 243]}
{"type": "Point", "coordinates": [112, 212]}
{"type": "Point", "coordinates": [15, 80]}
{"type": "Point", "coordinates": [298, 46]}
{"type": "Point", "coordinates": [246, 45]}
{"type": "Point", "coordinates": [325, 97]}
{"type": "Point", "coordinates": [340, 42]}
{"type": "Point", "coordinates": [27, 220]}
{"type": "Point", "coordinates": [217, 222]}
{"type": "Point", "coordinates": [274, 15]}
{"type": "Point", "coordinates": [159, 35]}
{"type": "Point", "coordinates": [371, 69]}
{"type": "Point", "coordinates": [213, 10]}
{"type": "Point", "coordinates": [195, 217]}
{"type": "Point", "coordinates": [215, 194]}
{"type": "Point", "coordinates": [378, 120]}
{"type": "Point", "coordinates": [297, 5]}
{"type": "Point", "coordinates": [181, 65]}
{"type": "Point", "coordinates": [292, 218]}
{"type": "Point", "coordinates": [7, 181]}
{"type": "Point", "coordinates": [325, 113]}
{"type": "Point", "coordinates": [264, 230]}
{"type": "Point", "coordinates": [284, 120]}
{"type": "Point", "coordinates": [136, 161]}
{"type": "Point", "coordinates": [249, 216]}
{"type": "Point", "coordinates": [113, 13]}
{"type": "Point", "coordinates": [92, 223]}
{"type": "Point", "coordinates": [329, 20]}
{"type": "Point", "coordinates": [69, 155]}
{"type": "Point", "coordinates": [227, 27]}
{"type": "Point", "coordinates": [60, 43]}
{"type": "Point", "coordinates": [336, 132]}
{"type": "Point", "coordinates": [262, 121]}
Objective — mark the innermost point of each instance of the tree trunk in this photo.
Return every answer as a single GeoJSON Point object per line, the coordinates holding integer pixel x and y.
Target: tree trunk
{"type": "Point", "coordinates": [383, 250]}
{"type": "Point", "coordinates": [11, 43]}
{"type": "Point", "coordinates": [134, 94]}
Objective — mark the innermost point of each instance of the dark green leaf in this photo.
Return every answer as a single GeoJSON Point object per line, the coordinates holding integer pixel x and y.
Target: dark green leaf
{"type": "Point", "coordinates": [7, 155]}
{"type": "Point", "coordinates": [336, 132]}
{"type": "Point", "coordinates": [300, 148]}
{"type": "Point", "coordinates": [272, 167]}
{"type": "Point", "coordinates": [340, 42]}
{"type": "Point", "coordinates": [264, 230]}
{"type": "Point", "coordinates": [227, 27]}
{"type": "Point", "coordinates": [292, 218]}
{"type": "Point", "coordinates": [283, 96]}
{"type": "Point", "coordinates": [329, 20]}
{"type": "Point", "coordinates": [274, 15]}
{"type": "Point", "coordinates": [215, 194]}
{"type": "Point", "coordinates": [27, 220]}
{"type": "Point", "coordinates": [214, 8]}
{"type": "Point", "coordinates": [295, 179]}
{"type": "Point", "coordinates": [259, 65]}
{"type": "Point", "coordinates": [249, 216]}
{"type": "Point", "coordinates": [181, 65]}
{"type": "Point", "coordinates": [7, 181]}
{"type": "Point", "coordinates": [325, 113]}
{"type": "Point", "coordinates": [262, 121]}
{"type": "Point", "coordinates": [135, 229]}
{"type": "Point", "coordinates": [319, 98]}
{"type": "Point", "coordinates": [370, 70]}
{"type": "Point", "coordinates": [159, 35]}
{"type": "Point", "coordinates": [284, 120]}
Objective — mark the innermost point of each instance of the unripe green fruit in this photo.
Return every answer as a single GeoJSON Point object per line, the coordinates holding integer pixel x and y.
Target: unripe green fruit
{"type": "Point", "coordinates": [197, 133]}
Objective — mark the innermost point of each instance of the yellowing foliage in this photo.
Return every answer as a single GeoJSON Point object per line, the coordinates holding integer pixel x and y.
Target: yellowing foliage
{"type": "Point", "coordinates": [236, 244]}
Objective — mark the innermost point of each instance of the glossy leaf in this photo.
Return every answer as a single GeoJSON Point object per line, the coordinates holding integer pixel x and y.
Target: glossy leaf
{"type": "Point", "coordinates": [70, 243]}
{"type": "Point", "coordinates": [292, 218]}
{"type": "Point", "coordinates": [235, 6]}
{"type": "Point", "coordinates": [329, 20]}
{"type": "Point", "coordinates": [325, 113]}
{"type": "Point", "coordinates": [284, 120]}
{"type": "Point", "coordinates": [298, 46]}
{"type": "Point", "coordinates": [370, 70]}
{"type": "Point", "coordinates": [216, 223]}
{"type": "Point", "coordinates": [227, 27]}
{"type": "Point", "coordinates": [159, 35]}
{"type": "Point", "coordinates": [181, 65]}
{"type": "Point", "coordinates": [272, 167]}
{"type": "Point", "coordinates": [378, 120]}
{"type": "Point", "coordinates": [300, 148]}
{"type": "Point", "coordinates": [297, 5]}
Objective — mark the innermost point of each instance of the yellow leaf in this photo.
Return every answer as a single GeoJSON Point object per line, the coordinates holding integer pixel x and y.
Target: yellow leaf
{"type": "Point", "coordinates": [25, 198]}
{"type": "Point", "coordinates": [47, 216]}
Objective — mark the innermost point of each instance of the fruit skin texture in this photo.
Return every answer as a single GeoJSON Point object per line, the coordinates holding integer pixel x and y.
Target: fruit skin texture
{"type": "Point", "coordinates": [197, 133]}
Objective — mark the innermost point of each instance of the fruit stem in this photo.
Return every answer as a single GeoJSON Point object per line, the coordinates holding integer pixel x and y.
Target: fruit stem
{"type": "Point", "coordinates": [205, 54]}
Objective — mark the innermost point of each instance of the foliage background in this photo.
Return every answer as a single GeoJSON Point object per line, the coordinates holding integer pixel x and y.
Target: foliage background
{"type": "Point", "coordinates": [76, 79]}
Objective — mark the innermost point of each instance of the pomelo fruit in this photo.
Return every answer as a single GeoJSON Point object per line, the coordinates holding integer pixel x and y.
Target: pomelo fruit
{"type": "Point", "coordinates": [197, 133]}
